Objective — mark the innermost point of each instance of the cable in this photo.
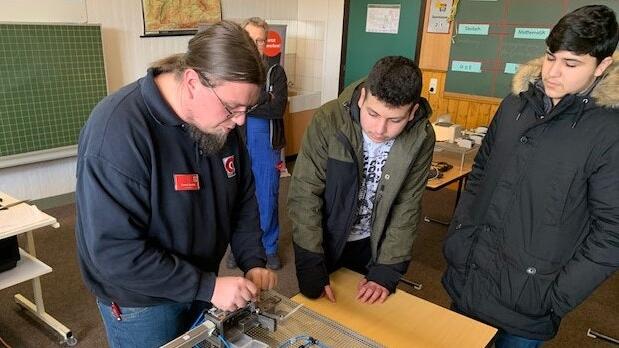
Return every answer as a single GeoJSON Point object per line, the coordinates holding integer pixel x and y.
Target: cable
{"type": "Point", "coordinates": [4, 343]}
{"type": "Point", "coordinates": [434, 173]}
{"type": "Point", "coordinates": [306, 341]}
{"type": "Point", "coordinates": [453, 11]}
{"type": "Point", "coordinates": [198, 320]}
{"type": "Point", "coordinates": [224, 341]}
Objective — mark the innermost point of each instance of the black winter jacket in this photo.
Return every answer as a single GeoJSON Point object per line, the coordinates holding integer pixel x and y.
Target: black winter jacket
{"type": "Point", "coordinates": [537, 227]}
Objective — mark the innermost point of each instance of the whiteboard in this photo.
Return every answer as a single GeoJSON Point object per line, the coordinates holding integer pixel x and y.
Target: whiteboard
{"type": "Point", "coordinates": [59, 11]}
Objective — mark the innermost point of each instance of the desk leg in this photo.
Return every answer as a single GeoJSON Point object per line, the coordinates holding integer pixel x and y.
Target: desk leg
{"type": "Point", "coordinates": [38, 308]}
{"type": "Point", "coordinates": [595, 334]}
{"type": "Point", "coordinates": [412, 284]}
{"type": "Point", "coordinates": [429, 219]}
{"type": "Point", "coordinates": [436, 221]}
{"type": "Point", "coordinates": [459, 191]}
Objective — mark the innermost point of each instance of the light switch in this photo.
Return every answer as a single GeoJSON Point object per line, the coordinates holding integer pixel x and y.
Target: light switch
{"type": "Point", "coordinates": [433, 86]}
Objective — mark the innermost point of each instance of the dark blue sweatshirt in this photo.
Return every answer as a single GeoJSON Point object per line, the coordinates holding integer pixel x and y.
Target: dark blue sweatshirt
{"type": "Point", "coordinates": [140, 240]}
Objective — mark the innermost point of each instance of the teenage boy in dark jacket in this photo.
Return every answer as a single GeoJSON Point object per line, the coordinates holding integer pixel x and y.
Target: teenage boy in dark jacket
{"type": "Point", "coordinates": [164, 183]}
{"type": "Point", "coordinates": [356, 187]}
{"type": "Point", "coordinates": [537, 227]}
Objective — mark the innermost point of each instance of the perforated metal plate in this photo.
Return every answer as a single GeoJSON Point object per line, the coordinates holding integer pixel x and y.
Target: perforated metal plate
{"type": "Point", "coordinates": [296, 320]}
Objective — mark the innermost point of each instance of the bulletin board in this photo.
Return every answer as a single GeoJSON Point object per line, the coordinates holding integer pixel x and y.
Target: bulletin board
{"type": "Point", "coordinates": [364, 48]}
{"type": "Point", "coordinates": [492, 37]}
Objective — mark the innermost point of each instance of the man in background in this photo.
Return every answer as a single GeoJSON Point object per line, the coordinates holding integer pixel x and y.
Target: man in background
{"type": "Point", "coordinates": [265, 140]}
{"type": "Point", "coordinates": [164, 184]}
{"type": "Point", "coordinates": [537, 227]}
{"type": "Point", "coordinates": [355, 193]}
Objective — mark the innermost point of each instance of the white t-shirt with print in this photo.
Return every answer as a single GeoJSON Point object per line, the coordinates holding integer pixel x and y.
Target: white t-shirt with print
{"type": "Point", "coordinates": [374, 159]}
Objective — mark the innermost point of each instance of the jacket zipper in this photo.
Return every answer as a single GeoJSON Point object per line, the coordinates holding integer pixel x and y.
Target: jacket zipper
{"type": "Point", "coordinates": [377, 199]}
{"type": "Point", "coordinates": [353, 214]}
{"type": "Point", "coordinates": [469, 257]}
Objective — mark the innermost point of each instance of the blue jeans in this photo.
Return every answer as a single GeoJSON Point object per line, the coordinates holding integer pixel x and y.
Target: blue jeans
{"type": "Point", "coordinates": [147, 326]}
{"type": "Point", "coordinates": [505, 340]}
{"type": "Point", "coordinates": [264, 160]}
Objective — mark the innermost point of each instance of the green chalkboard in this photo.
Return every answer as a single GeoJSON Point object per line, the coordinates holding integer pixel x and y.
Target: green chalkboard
{"type": "Point", "coordinates": [493, 36]}
{"type": "Point", "coordinates": [51, 76]}
{"type": "Point", "coordinates": [365, 48]}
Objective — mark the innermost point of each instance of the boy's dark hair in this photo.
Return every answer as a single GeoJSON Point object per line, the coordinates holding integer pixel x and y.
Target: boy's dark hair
{"type": "Point", "coordinates": [395, 80]}
{"type": "Point", "coordinates": [586, 30]}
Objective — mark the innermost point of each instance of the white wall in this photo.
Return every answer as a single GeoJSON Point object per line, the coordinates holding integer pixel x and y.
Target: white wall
{"type": "Point", "coordinates": [333, 10]}
{"type": "Point", "coordinates": [268, 9]}
{"type": "Point", "coordinates": [127, 56]}
{"type": "Point", "coordinates": [67, 11]}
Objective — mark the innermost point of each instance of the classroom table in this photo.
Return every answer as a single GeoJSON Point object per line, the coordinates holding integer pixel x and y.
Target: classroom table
{"type": "Point", "coordinates": [459, 173]}
{"type": "Point", "coordinates": [24, 218]}
{"type": "Point", "coordinates": [403, 320]}
{"type": "Point", "coordinates": [448, 178]}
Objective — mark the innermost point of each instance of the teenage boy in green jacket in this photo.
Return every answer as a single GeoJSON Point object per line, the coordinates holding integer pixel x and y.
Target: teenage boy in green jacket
{"type": "Point", "coordinates": [355, 194]}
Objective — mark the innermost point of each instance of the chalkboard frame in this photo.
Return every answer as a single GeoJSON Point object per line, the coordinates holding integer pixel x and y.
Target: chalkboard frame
{"type": "Point", "coordinates": [53, 75]}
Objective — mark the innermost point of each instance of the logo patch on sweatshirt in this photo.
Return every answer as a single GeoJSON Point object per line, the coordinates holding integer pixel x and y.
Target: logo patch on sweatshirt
{"type": "Point", "coordinates": [186, 182]}
{"type": "Point", "coordinates": [229, 166]}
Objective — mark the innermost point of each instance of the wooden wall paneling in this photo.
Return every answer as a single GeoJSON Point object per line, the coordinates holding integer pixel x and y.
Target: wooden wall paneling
{"type": "Point", "coordinates": [473, 116]}
{"type": "Point", "coordinates": [434, 46]}
{"type": "Point", "coordinates": [436, 101]}
{"type": "Point", "coordinates": [493, 110]}
{"type": "Point", "coordinates": [440, 103]}
{"type": "Point", "coordinates": [452, 107]}
{"type": "Point", "coordinates": [484, 113]}
{"type": "Point", "coordinates": [462, 113]}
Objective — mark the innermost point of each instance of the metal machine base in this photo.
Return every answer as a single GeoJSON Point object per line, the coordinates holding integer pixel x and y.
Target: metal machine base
{"type": "Point", "coordinates": [273, 321]}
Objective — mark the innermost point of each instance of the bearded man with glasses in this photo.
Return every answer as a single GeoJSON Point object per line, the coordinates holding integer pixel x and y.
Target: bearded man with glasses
{"type": "Point", "coordinates": [164, 184]}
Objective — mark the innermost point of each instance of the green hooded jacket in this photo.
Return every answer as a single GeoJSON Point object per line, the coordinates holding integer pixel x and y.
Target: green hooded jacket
{"type": "Point", "coordinates": [322, 199]}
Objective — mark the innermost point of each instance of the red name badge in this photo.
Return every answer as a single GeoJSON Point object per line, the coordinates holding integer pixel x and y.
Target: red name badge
{"type": "Point", "coordinates": [186, 182]}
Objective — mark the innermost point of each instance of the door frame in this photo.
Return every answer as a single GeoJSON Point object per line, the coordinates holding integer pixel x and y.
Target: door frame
{"type": "Point", "coordinates": [422, 12]}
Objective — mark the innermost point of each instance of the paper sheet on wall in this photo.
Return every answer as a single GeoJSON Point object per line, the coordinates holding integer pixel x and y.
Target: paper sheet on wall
{"type": "Point", "coordinates": [439, 16]}
{"type": "Point", "coordinates": [383, 18]}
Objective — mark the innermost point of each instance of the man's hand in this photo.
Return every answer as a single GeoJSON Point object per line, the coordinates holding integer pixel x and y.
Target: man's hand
{"type": "Point", "coordinates": [232, 293]}
{"type": "Point", "coordinates": [371, 292]}
{"type": "Point", "coordinates": [328, 292]}
{"type": "Point", "coordinates": [263, 278]}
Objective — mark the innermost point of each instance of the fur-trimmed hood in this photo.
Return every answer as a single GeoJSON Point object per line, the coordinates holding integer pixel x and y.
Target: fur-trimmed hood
{"type": "Point", "coordinates": [606, 93]}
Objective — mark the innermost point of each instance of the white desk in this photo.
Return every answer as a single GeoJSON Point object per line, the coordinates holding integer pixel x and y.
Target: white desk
{"type": "Point", "coordinates": [24, 218]}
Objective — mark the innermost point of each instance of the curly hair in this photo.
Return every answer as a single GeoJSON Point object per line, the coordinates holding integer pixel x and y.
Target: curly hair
{"type": "Point", "coordinates": [395, 80]}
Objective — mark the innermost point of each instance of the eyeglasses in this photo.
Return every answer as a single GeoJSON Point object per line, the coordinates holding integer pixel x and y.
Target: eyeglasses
{"type": "Point", "coordinates": [260, 42]}
{"type": "Point", "coordinates": [229, 113]}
